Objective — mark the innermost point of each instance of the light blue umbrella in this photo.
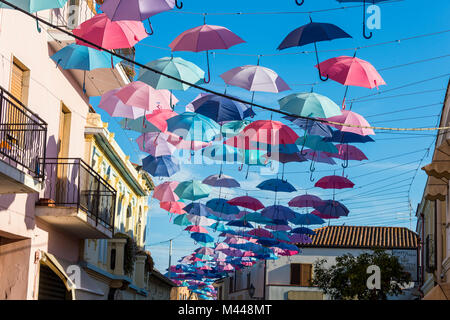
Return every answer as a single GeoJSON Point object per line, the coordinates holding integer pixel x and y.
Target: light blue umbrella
{"type": "Point", "coordinates": [175, 67]}
{"type": "Point", "coordinates": [316, 143]}
{"type": "Point", "coordinates": [306, 219]}
{"type": "Point", "coordinates": [233, 128]}
{"type": "Point", "coordinates": [309, 104]}
{"type": "Point", "coordinates": [281, 235]}
{"type": "Point", "coordinates": [34, 5]}
{"type": "Point", "coordinates": [192, 126]}
{"type": "Point", "coordinates": [139, 125]}
{"type": "Point", "coordinates": [202, 237]}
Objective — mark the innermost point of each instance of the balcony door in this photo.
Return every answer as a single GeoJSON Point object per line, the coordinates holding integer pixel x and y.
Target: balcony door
{"type": "Point", "coordinates": [64, 187]}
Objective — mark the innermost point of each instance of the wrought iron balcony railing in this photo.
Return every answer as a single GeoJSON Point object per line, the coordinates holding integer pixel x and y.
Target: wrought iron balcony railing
{"type": "Point", "coordinates": [23, 135]}
{"type": "Point", "coordinates": [73, 183]}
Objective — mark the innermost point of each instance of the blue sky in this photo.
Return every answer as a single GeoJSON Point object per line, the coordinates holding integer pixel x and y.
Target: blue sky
{"type": "Point", "coordinates": [390, 178]}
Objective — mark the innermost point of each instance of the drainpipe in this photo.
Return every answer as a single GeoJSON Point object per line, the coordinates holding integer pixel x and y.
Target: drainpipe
{"type": "Point", "coordinates": [422, 278]}
{"type": "Point", "coordinates": [265, 279]}
{"type": "Point", "coordinates": [438, 237]}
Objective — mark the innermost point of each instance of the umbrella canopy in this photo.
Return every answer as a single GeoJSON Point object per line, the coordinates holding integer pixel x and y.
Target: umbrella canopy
{"type": "Point", "coordinates": [140, 124]}
{"type": "Point", "coordinates": [332, 208]}
{"type": "Point", "coordinates": [165, 191]}
{"type": "Point", "coordinates": [159, 117]}
{"type": "Point", "coordinates": [246, 202]}
{"type": "Point", "coordinates": [74, 56]}
{"type": "Point", "coordinates": [173, 207]}
{"type": "Point", "coordinates": [300, 238]}
{"type": "Point", "coordinates": [141, 95]}
{"type": "Point", "coordinates": [108, 34]}
{"type": "Point", "coordinates": [348, 152]}
{"type": "Point", "coordinates": [278, 226]}
{"type": "Point", "coordinates": [222, 206]}
{"type": "Point", "coordinates": [286, 157]}
{"type": "Point", "coordinates": [137, 10]}
{"type": "Point", "coordinates": [256, 217]}
{"type": "Point", "coordinates": [192, 126]}
{"type": "Point", "coordinates": [240, 223]}
{"type": "Point", "coordinates": [270, 132]}
{"type": "Point", "coordinates": [162, 166]}
{"type": "Point", "coordinates": [220, 109]}
{"type": "Point", "coordinates": [255, 78]}
{"type": "Point", "coordinates": [303, 230]}
{"type": "Point", "coordinates": [176, 67]}
{"type": "Point", "coordinates": [351, 71]}
{"type": "Point", "coordinates": [276, 185]}
{"type": "Point", "coordinates": [260, 233]}
{"type": "Point", "coordinates": [198, 209]}
{"type": "Point", "coordinates": [192, 190]}
{"type": "Point", "coordinates": [222, 152]}
{"type": "Point", "coordinates": [334, 182]}
{"type": "Point", "coordinates": [309, 104]}
{"type": "Point", "coordinates": [197, 229]}
{"type": "Point", "coordinates": [280, 235]}
{"type": "Point", "coordinates": [222, 181]}
{"type": "Point", "coordinates": [182, 220]}
{"type": "Point", "coordinates": [35, 5]}
{"type": "Point", "coordinates": [304, 201]}
{"type": "Point", "coordinates": [116, 108]}
{"type": "Point", "coordinates": [156, 144]}
{"type": "Point", "coordinates": [200, 220]}
{"type": "Point", "coordinates": [352, 118]}
{"type": "Point", "coordinates": [324, 216]}
{"type": "Point", "coordinates": [202, 237]}
{"type": "Point", "coordinates": [233, 128]}
{"type": "Point", "coordinates": [278, 212]}
{"type": "Point", "coordinates": [306, 219]}
{"type": "Point", "coordinates": [316, 143]}
{"type": "Point", "coordinates": [318, 156]}
{"type": "Point", "coordinates": [347, 137]}
{"type": "Point", "coordinates": [311, 127]}
{"type": "Point", "coordinates": [205, 250]}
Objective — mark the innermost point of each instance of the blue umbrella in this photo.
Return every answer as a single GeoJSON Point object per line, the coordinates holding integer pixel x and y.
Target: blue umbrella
{"type": "Point", "coordinates": [162, 166]}
{"type": "Point", "coordinates": [220, 227]}
{"type": "Point", "coordinates": [281, 235]}
{"type": "Point", "coordinates": [267, 242]}
{"type": "Point", "coordinates": [303, 230]}
{"type": "Point", "coordinates": [347, 137]}
{"type": "Point", "coordinates": [332, 208]}
{"type": "Point", "coordinates": [276, 185]}
{"type": "Point", "coordinates": [286, 246]}
{"type": "Point", "coordinates": [278, 212]}
{"type": "Point", "coordinates": [313, 32]}
{"type": "Point", "coordinates": [240, 223]}
{"type": "Point", "coordinates": [311, 127]}
{"type": "Point", "coordinates": [192, 126]}
{"type": "Point", "coordinates": [219, 108]}
{"type": "Point", "coordinates": [306, 219]}
{"type": "Point", "coordinates": [222, 206]}
{"type": "Point", "coordinates": [35, 5]}
{"type": "Point", "coordinates": [198, 209]}
{"type": "Point", "coordinates": [202, 237]}
{"type": "Point", "coordinates": [256, 217]}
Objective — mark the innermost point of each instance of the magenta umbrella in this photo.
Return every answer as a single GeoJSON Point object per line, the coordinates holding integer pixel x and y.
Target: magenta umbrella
{"type": "Point", "coordinates": [205, 38]}
{"type": "Point", "coordinates": [246, 202]}
{"type": "Point", "coordinates": [116, 108]}
{"type": "Point", "coordinates": [305, 201]}
{"type": "Point", "coordinates": [334, 182]}
{"type": "Point", "coordinates": [159, 118]}
{"type": "Point", "coordinates": [156, 144]}
{"type": "Point", "coordinates": [143, 96]}
{"type": "Point", "coordinates": [316, 156]}
{"type": "Point", "coordinates": [165, 191]}
{"type": "Point", "coordinates": [278, 227]}
{"type": "Point", "coordinates": [108, 34]}
{"type": "Point", "coordinates": [348, 152]}
{"type": "Point", "coordinates": [323, 216]}
{"type": "Point", "coordinates": [361, 126]}
{"type": "Point", "coordinates": [261, 233]}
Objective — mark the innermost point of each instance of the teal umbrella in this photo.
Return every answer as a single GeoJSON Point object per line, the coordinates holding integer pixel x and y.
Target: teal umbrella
{"type": "Point", "coordinates": [192, 126]}
{"type": "Point", "coordinates": [317, 143]}
{"type": "Point", "coordinates": [175, 67]}
{"type": "Point", "coordinates": [233, 128]}
{"type": "Point", "coordinates": [34, 5]}
{"type": "Point", "coordinates": [222, 152]}
{"type": "Point", "coordinates": [182, 220]}
{"type": "Point", "coordinates": [192, 190]}
{"type": "Point", "coordinates": [256, 217]}
{"type": "Point", "coordinates": [309, 105]}
{"type": "Point", "coordinates": [139, 125]}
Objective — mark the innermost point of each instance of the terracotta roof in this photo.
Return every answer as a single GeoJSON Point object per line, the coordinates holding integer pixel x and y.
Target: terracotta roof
{"type": "Point", "coordinates": [364, 237]}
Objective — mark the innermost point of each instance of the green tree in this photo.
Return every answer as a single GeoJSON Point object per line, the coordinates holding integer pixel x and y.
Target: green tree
{"type": "Point", "coordinates": [347, 279]}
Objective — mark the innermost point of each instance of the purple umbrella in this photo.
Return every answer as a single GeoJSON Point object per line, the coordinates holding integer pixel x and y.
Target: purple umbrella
{"type": "Point", "coordinates": [299, 238]}
{"type": "Point", "coordinates": [305, 201]}
{"type": "Point", "coordinates": [278, 212]}
{"type": "Point", "coordinates": [278, 227]}
{"type": "Point", "coordinates": [222, 181]}
{"type": "Point", "coordinates": [332, 208]}
{"type": "Point", "coordinates": [156, 144]}
{"type": "Point", "coordinates": [260, 233]}
{"type": "Point", "coordinates": [116, 108]}
{"type": "Point", "coordinates": [205, 250]}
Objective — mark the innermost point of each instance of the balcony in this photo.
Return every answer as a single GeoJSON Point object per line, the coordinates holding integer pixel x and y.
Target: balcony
{"type": "Point", "coordinates": [77, 200]}
{"type": "Point", "coordinates": [23, 138]}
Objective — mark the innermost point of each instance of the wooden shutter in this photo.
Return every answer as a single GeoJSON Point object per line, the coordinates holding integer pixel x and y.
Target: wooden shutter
{"type": "Point", "coordinates": [306, 273]}
{"type": "Point", "coordinates": [295, 273]}
{"type": "Point", "coordinates": [17, 81]}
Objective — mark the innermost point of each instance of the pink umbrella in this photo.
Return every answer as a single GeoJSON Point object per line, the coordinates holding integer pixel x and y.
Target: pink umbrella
{"type": "Point", "coordinates": [278, 227]}
{"type": "Point", "coordinates": [205, 250]}
{"type": "Point", "coordinates": [108, 34]}
{"type": "Point", "coordinates": [182, 144]}
{"type": "Point", "coordinates": [246, 202]}
{"type": "Point", "coordinates": [288, 253]}
{"type": "Point", "coordinates": [159, 118]}
{"type": "Point", "coordinates": [173, 206]}
{"type": "Point", "coordinates": [304, 201]}
{"type": "Point", "coordinates": [351, 71]}
{"type": "Point", "coordinates": [235, 240]}
{"type": "Point", "coordinates": [205, 38]}
{"type": "Point", "coordinates": [270, 132]}
{"type": "Point", "coordinates": [141, 95]}
{"type": "Point", "coordinates": [220, 256]}
{"type": "Point", "coordinates": [222, 246]}
{"type": "Point", "coordinates": [352, 118]}
{"type": "Point", "coordinates": [226, 267]}
{"type": "Point", "coordinates": [165, 191]}
{"type": "Point", "coordinates": [116, 108]}
{"type": "Point", "coordinates": [156, 144]}
{"type": "Point", "coordinates": [260, 232]}
{"type": "Point", "coordinates": [334, 182]}
{"type": "Point", "coordinates": [348, 152]}
{"type": "Point", "coordinates": [198, 229]}
{"type": "Point", "coordinates": [248, 254]}
{"type": "Point", "coordinates": [205, 268]}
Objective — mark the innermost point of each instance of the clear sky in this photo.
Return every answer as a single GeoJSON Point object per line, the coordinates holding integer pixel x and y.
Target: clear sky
{"type": "Point", "coordinates": [392, 176]}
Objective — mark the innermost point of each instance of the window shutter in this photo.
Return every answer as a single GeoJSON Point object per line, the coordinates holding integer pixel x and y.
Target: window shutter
{"type": "Point", "coordinates": [295, 273]}
{"type": "Point", "coordinates": [17, 79]}
{"type": "Point", "coordinates": [306, 270]}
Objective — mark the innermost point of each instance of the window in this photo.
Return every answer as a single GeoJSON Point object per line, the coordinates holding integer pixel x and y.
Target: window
{"type": "Point", "coordinates": [20, 77]}
{"type": "Point", "coordinates": [248, 280]}
{"type": "Point", "coordinates": [301, 274]}
{"type": "Point", "coordinates": [231, 284]}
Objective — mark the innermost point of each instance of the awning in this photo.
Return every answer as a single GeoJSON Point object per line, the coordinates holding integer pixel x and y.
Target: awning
{"type": "Point", "coordinates": [440, 167]}
{"type": "Point", "coordinates": [439, 292]}
{"type": "Point", "coordinates": [84, 282]}
{"type": "Point", "coordinates": [436, 189]}
{"type": "Point", "coordinates": [50, 261]}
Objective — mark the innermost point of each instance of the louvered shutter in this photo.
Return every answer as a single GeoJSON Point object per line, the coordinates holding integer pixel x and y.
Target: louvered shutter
{"type": "Point", "coordinates": [306, 271]}
{"type": "Point", "coordinates": [17, 79]}
{"type": "Point", "coordinates": [295, 273]}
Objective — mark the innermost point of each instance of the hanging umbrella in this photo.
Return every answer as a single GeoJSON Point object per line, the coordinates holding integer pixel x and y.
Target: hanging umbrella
{"type": "Point", "coordinates": [280, 235]}
{"type": "Point", "coordinates": [323, 216]}
{"type": "Point", "coordinates": [278, 212]}
{"type": "Point", "coordinates": [233, 128]}
{"type": "Point", "coordinates": [316, 143]}
{"type": "Point", "coordinates": [364, 12]}
{"type": "Point", "coordinates": [318, 156]}
{"type": "Point", "coordinates": [256, 217]}
{"type": "Point", "coordinates": [198, 209]}
{"type": "Point", "coordinates": [156, 144]}
{"type": "Point", "coordinates": [141, 95]}
{"type": "Point", "coordinates": [108, 34]}
{"type": "Point", "coordinates": [276, 185]}
{"type": "Point", "coordinates": [221, 246]}
{"type": "Point", "coordinates": [165, 192]}
{"type": "Point", "coordinates": [304, 201]}
{"type": "Point", "coordinates": [162, 166]}
{"type": "Point", "coordinates": [192, 190]}
{"type": "Point", "coordinates": [176, 67]}
{"type": "Point", "coordinates": [222, 153]}
{"type": "Point", "coordinates": [311, 127]}
{"type": "Point", "coordinates": [219, 108]}
{"type": "Point", "coordinates": [348, 137]}
{"type": "Point", "coordinates": [246, 202]}
{"type": "Point", "coordinates": [197, 229]}
{"type": "Point", "coordinates": [303, 230]}
{"type": "Point", "coordinates": [222, 206]}
{"type": "Point", "coordinates": [270, 132]}
{"type": "Point", "coordinates": [205, 38]}
{"type": "Point", "coordinates": [33, 6]}
{"type": "Point", "coordinates": [200, 220]}
{"type": "Point", "coordinates": [220, 216]}
{"type": "Point", "coordinates": [260, 233]}
{"type": "Point", "coordinates": [240, 223]}
{"type": "Point", "coordinates": [159, 117]}
{"type": "Point", "coordinates": [352, 118]}
{"type": "Point", "coordinates": [313, 32]}
{"type": "Point", "coordinates": [182, 220]}
{"type": "Point", "coordinates": [116, 108]}
{"type": "Point", "coordinates": [193, 127]}
{"type": "Point", "coordinates": [205, 250]}
{"type": "Point", "coordinates": [222, 181]}
{"type": "Point", "coordinates": [278, 226]}
{"type": "Point", "coordinates": [309, 104]}
{"type": "Point", "coordinates": [332, 208]}
{"type": "Point", "coordinates": [202, 237]}
{"type": "Point", "coordinates": [348, 152]}
{"type": "Point", "coordinates": [182, 144]}
{"type": "Point", "coordinates": [219, 227]}
{"type": "Point", "coordinates": [300, 238]}
{"type": "Point", "coordinates": [306, 219]}
{"type": "Point", "coordinates": [334, 182]}
{"type": "Point", "coordinates": [140, 124]}
{"type": "Point", "coordinates": [173, 207]}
